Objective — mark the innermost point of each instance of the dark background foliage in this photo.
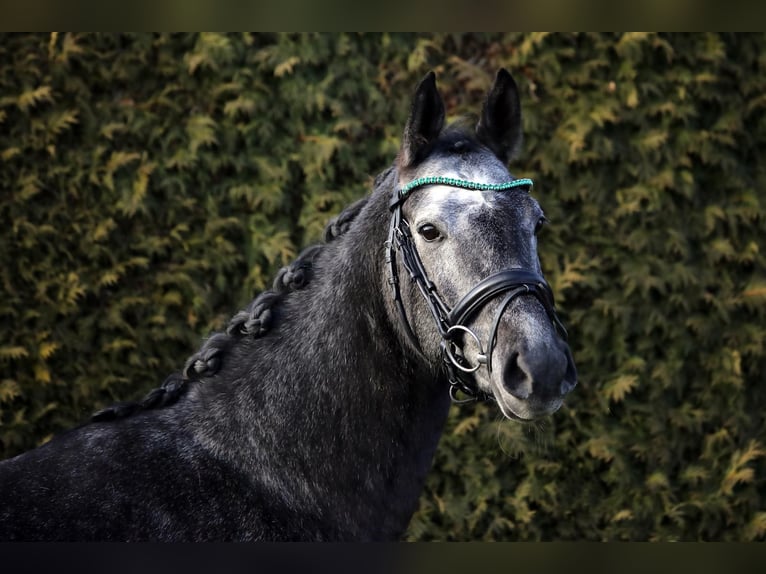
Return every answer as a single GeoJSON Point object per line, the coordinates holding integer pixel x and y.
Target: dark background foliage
{"type": "Point", "coordinates": [150, 185]}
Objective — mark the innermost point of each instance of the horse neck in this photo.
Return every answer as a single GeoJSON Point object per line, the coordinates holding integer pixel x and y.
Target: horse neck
{"type": "Point", "coordinates": [347, 323]}
{"type": "Point", "coordinates": [331, 397]}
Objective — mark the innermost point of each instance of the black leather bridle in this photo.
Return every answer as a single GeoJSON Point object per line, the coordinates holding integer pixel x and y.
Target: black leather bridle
{"type": "Point", "coordinates": [450, 322]}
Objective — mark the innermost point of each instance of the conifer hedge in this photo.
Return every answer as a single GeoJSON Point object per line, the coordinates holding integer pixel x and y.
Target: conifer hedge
{"type": "Point", "coordinates": [151, 184]}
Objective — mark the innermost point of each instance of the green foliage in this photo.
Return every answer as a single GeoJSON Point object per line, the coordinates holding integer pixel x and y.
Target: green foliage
{"type": "Point", "coordinates": [151, 184]}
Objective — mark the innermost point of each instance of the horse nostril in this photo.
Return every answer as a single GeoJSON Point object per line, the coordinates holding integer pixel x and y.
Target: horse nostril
{"type": "Point", "coordinates": [515, 380]}
{"type": "Point", "coordinates": [546, 373]}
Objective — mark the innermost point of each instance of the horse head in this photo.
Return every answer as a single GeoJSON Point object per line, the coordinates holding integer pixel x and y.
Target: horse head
{"type": "Point", "coordinates": [465, 231]}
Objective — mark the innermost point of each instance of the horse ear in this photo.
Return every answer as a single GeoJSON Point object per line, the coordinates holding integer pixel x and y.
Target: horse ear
{"type": "Point", "coordinates": [425, 122]}
{"type": "Point", "coordinates": [499, 127]}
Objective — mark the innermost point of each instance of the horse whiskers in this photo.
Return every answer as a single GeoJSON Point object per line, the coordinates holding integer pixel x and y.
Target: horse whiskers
{"type": "Point", "coordinates": [498, 422]}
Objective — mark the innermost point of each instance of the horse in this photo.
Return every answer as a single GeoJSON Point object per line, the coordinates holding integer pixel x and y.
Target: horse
{"type": "Point", "coordinates": [316, 413]}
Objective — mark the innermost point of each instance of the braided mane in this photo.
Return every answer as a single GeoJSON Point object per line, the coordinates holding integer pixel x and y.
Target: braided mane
{"type": "Point", "coordinates": [252, 321]}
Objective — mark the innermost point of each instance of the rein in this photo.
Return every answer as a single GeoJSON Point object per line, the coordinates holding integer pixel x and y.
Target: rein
{"type": "Point", "coordinates": [450, 322]}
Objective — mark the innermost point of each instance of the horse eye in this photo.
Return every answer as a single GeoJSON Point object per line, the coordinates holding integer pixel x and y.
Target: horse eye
{"type": "Point", "coordinates": [540, 222]}
{"type": "Point", "coordinates": [429, 232]}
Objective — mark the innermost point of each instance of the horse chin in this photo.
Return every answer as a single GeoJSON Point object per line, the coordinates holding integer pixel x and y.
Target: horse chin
{"type": "Point", "coordinates": [524, 410]}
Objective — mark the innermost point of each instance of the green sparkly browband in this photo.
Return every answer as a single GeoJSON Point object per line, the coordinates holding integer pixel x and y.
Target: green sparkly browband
{"type": "Point", "coordinates": [400, 195]}
{"type": "Point", "coordinates": [438, 180]}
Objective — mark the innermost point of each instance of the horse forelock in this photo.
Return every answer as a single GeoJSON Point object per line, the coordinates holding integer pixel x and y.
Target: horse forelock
{"type": "Point", "coordinates": [457, 137]}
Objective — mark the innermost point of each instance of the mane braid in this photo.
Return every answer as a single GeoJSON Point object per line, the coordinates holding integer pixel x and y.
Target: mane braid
{"type": "Point", "coordinates": [253, 321]}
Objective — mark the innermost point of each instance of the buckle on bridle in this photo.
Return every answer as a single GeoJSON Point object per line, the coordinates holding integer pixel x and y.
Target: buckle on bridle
{"type": "Point", "coordinates": [454, 387]}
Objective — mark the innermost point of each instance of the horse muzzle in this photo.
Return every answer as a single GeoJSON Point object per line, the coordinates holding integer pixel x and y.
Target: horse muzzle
{"type": "Point", "coordinates": [531, 380]}
{"type": "Point", "coordinates": [532, 375]}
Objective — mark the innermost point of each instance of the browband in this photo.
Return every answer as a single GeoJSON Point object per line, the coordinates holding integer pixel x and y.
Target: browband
{"type": "Point", "coordinates": [402, 193]}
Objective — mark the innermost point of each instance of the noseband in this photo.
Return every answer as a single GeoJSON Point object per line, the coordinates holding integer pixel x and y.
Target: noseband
{"type": "Point", "coordinates": [450, 322]}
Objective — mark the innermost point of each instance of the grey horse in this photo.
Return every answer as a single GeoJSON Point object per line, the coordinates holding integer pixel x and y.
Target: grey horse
{"type": "Point", "coordinates": [316, 413]}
